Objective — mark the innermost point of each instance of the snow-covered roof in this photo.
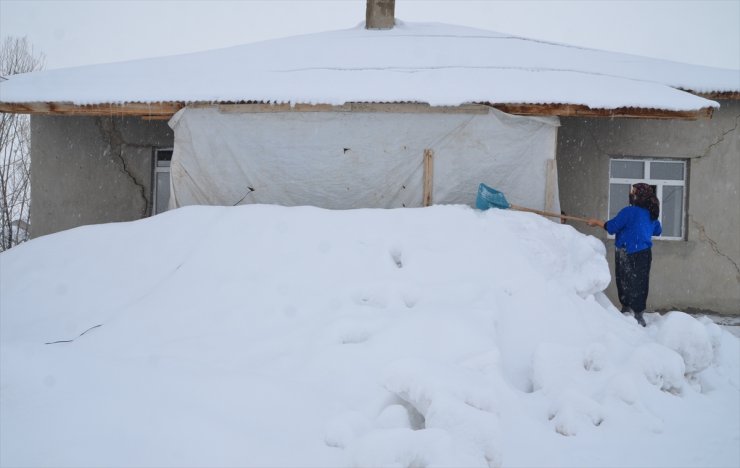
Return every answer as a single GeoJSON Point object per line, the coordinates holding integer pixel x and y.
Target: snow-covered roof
{"type": "Point", "coordinates": [430, 63]}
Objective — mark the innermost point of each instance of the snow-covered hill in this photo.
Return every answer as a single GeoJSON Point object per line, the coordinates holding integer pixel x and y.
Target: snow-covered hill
{"type": "Point", "coordinates": [270, 336]}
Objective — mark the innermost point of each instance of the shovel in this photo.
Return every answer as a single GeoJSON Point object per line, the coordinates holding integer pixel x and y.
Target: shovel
{"type": "Point", "coordinates": [492, 198]}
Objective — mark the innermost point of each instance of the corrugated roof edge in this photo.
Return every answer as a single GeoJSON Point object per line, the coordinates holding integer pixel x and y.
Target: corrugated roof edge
{"type": "Point", "coordinates": [716, 95]}
{"type": "Point", "coordinates": [165, 109]}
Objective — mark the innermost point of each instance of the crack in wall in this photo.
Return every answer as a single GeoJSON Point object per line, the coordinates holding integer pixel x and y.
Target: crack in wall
{"type": "Point", "coordinates": [713, 244]}
{"type": "Point", "coordinates": [719, 140]}
{"type": "Point", "coordinates": [116, 144]}
{"type": "Point", "coordinates": [700, 227]}
{"type": "Point", "coordinates": [706, 152]}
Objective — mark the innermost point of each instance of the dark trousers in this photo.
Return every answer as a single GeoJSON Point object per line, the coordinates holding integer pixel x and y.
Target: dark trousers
{"type": "Point", "coordinates": [633, 277]}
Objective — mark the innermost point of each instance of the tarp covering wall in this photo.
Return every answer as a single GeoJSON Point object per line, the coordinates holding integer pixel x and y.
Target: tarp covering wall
{"type": "Point", "coordinates": [342, 160]}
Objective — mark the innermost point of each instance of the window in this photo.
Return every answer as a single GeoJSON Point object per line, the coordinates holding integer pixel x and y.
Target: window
{"type": "Point", "coordinates": [669, 179]}
{"type": "Point", "coordinates": [161, 180]}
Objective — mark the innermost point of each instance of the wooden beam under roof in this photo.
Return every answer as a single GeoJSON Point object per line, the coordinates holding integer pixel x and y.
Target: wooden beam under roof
{"type": "Point", "coordinates": [718, 95]}
{"type": "Point", "coordinates": [165, 110]}
{"type": "Point", "coordinates": [138, 109]}
{"type": "Point", "coordinates": [573, 110]}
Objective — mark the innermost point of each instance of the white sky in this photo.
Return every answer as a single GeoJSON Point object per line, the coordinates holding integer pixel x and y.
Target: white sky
{"type": "Point", "coordinates": [85, 32]}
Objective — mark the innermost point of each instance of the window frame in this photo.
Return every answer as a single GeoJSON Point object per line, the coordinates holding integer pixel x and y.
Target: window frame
{"type": "Point", "coordinates": [659, 183]}
{"type": "Point", "coordinates": [156, 170]}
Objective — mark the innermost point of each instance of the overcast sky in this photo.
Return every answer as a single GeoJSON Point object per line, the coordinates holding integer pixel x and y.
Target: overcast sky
{"type": "Point", "coordinates": [85, 32]}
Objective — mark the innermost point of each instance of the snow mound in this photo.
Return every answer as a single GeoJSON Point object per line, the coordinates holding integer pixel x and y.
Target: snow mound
{"type": "Point", "coordinates": [690, 338]}
{"type": "Point", "coordinates": [441, 336]}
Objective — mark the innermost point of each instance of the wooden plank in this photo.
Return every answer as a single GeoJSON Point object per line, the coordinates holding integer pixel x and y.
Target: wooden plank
{"type": "Point", "coordinates": [138, 109]}
{"type": "Point", "coordinates": [418, 108]}
{"type": "Point", "coordinates": [428, 176]}
{"type": "Point", "coordinates": [155, 117]}
{"type": "Point", "coordinates": [551, 180]}
{"type": "Point", "coordinates": [236, 108]}
{"type": "Point", "coordinates": [573, 110]}
{"type": "Point", "coordinates": [398, 108]}
{"type": "Point", "coordinates": [719, 95]}
{"type": "Point", "coordinates": [259, 108]}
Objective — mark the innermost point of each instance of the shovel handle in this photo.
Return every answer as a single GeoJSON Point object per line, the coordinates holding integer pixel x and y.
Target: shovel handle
{"type": "Point", "coordinates": [549, 214]}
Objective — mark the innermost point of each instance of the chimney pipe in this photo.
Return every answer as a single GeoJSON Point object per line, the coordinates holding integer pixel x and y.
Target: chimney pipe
{"type": "Point", "coordinates": [380, 14]}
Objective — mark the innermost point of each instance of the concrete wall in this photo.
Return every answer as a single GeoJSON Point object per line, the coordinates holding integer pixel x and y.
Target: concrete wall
{"type": "Point", "coordinates": [701, 272]}
{"type": "Point", "coordinates": [88, 170]}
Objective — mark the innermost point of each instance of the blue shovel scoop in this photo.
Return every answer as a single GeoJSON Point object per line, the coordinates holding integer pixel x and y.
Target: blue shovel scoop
{"type": "Point", "coordinates": [491, 198]}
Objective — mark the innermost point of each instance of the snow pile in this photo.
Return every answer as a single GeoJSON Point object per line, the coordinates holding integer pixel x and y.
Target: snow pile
{"type": "Point", "coordinates": [269, 336]}
{"type": "Point", "coordinates": [690, 338]}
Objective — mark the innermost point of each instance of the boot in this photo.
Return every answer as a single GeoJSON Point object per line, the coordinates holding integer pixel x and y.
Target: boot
{"type": "Point", "coordinates": [626, 310]}
{"type": "Point", "coordinates": [640, 319]}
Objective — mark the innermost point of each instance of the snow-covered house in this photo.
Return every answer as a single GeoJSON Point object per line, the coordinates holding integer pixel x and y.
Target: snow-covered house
{"type": "Point", "coordinates": [401, 117]}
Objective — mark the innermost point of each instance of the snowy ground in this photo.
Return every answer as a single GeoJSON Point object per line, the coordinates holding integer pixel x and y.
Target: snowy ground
{"type": "Point", "coordinates": [729, 323]}
{"type": "Point", "coordinates": [268, 336]}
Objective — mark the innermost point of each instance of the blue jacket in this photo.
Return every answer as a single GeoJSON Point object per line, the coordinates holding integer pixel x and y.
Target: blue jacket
{"type": "Point", "coordinates": [633, 228]}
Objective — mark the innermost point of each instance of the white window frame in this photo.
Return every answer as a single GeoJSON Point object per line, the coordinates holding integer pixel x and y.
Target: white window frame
{"type": "Point", "coordinates": [659, 183]}
{"type": "Point", "coordinates": [157, 168]}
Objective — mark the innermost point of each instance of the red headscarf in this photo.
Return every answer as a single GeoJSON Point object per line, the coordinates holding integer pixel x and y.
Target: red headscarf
{"type": "Point", "coordinates": [644, 197]}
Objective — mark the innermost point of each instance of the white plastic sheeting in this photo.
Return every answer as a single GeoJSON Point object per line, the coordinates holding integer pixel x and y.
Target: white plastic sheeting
{"type": "Point", "coordinates": [343, 160]}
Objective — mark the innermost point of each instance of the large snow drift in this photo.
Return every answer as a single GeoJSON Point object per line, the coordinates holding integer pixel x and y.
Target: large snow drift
{"type": "Point", "coordinates": [269, 336]}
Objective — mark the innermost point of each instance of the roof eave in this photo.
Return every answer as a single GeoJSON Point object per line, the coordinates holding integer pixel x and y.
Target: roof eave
{"type": "Point", "coordinates": [716, 95]}
{"type": "Point", "coordinates": [165, 110]}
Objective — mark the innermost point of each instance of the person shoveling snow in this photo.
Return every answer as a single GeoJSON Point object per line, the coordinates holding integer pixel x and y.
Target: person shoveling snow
{"type": "Point", "coordinates": [271, 336]}
{"type": "Point", "coordinates": [634, 227]}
